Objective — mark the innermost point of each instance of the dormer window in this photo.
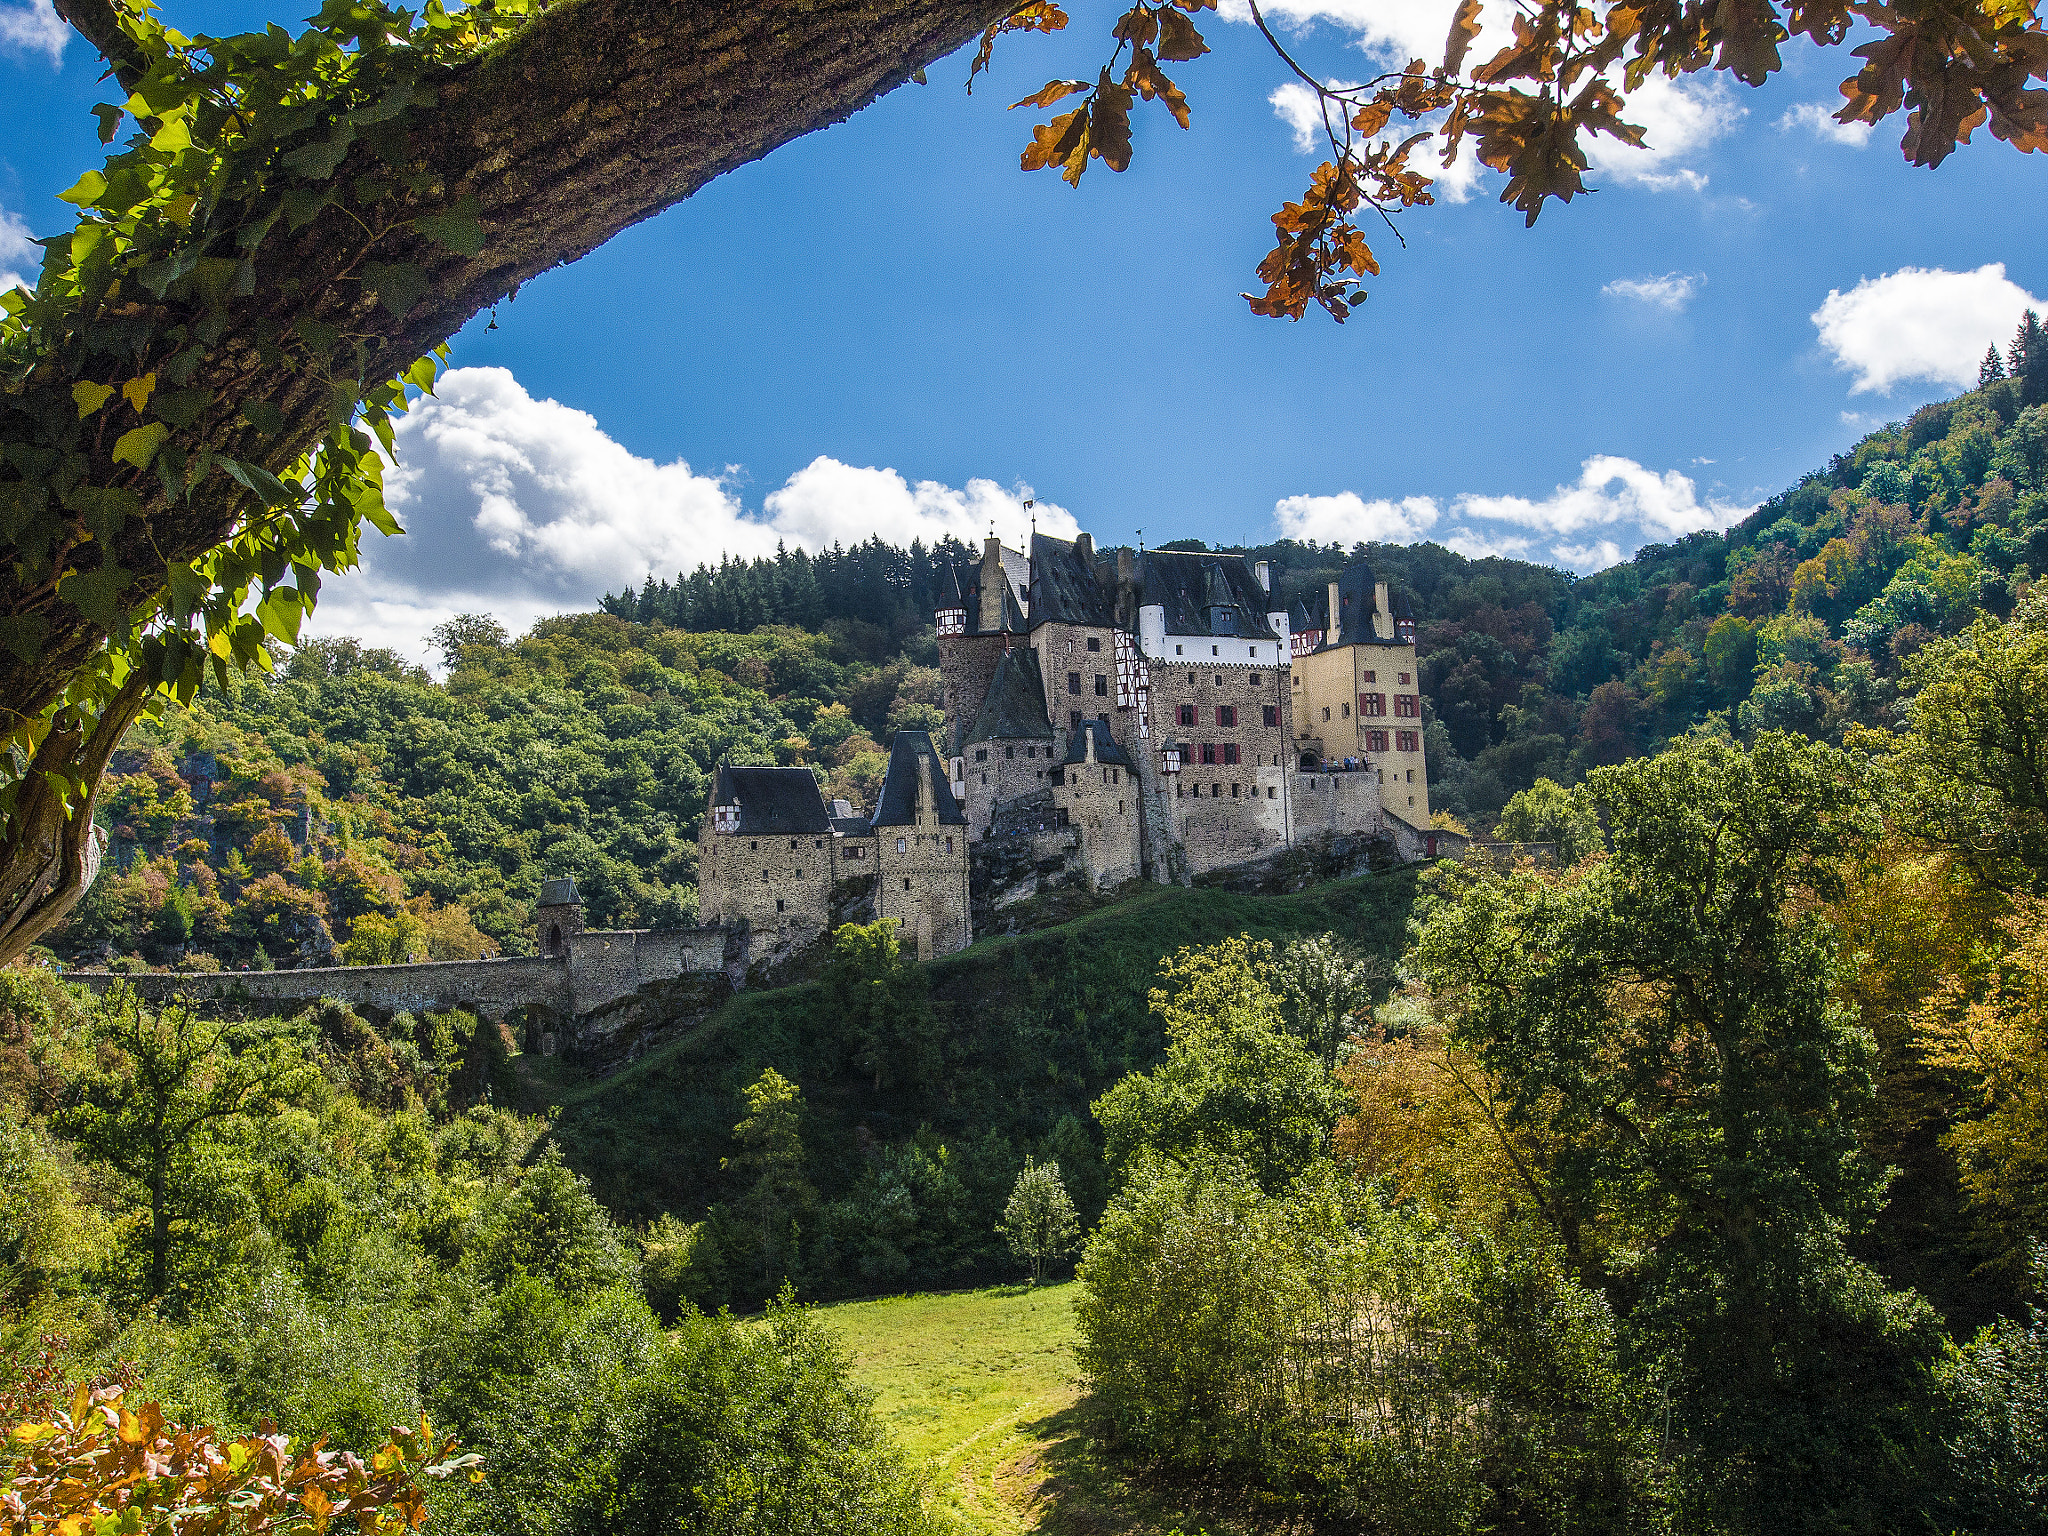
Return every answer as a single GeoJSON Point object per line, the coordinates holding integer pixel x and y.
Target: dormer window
{"type": "Point", "coordinates": [725, 818]}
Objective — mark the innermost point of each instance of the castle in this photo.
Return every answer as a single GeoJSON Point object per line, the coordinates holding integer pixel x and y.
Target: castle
{"type": "Point", "coordinates": [1148, 716]}
{"type": "Point", "coordinates": [1152, 716]}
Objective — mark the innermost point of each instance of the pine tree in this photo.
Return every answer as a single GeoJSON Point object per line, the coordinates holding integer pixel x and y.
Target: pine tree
{"type": "Point", "coordinates": [1992, 369]}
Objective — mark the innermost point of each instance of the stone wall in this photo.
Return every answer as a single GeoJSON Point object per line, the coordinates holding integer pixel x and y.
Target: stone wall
{"type": "Point", "coordinates": [1337, 802]}
{"type": "Point", "coordinates": [608, 964]}
{"type": "Point", "coordinates": [1102, 801]}
{"type": "Point", "coordinates": [779, 887]}
{"type": "Point", "coordinates": [1001, 771]}
{"type": "Point", "coordinates": [967, 665]}
{"type": "Point", "coordinates": [921, 883]}
{"type": "Point", "coordinates": [1073, 674]}
{"type": "Point", "coordinates": [488, 987]}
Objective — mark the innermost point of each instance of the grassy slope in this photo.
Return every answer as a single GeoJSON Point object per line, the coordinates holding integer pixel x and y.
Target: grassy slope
{"type": "Point", "coordinates": [1037, 1025]}
{"type": "Point", "coordinates": [983, 1386]}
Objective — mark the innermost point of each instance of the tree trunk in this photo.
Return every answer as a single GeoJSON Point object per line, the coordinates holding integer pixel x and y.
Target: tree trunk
{"type": "Point", "coordinates": [50, 851]}
{"type": "Point", "coordinates": [599, 114]}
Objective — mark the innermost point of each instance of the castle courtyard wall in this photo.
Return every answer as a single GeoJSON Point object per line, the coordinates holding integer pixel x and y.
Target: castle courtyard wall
{"type": "Point", "coordinates": [922, 885]}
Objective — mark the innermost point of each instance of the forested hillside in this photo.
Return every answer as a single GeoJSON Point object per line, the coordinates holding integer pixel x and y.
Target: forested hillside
{"type": "Point", "coordinates": [350, 800]}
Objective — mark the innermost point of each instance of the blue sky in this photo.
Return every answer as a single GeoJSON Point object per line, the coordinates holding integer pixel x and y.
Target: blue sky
{"type": "Point", "coordinates": [888, 327]}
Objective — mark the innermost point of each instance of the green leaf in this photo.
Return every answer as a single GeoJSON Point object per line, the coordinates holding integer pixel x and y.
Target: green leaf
{"type": "Point", "coordinates": [317, 162]}
{"type": "Point", "coordinates": [378, 516]}
{"type": "Point", "coordinates": [85, 190]}
{"type": "Point", "coordinates": [188, 590]}
{"type": "Point", "coordinates": [90, 397]}
{"type": "Point", "coordinates": [139, 446]}
{"type": "Point", "coordinates": [21, 501]}
{"type": "Point", "coordinates": [397, 284]}
{"type": "Point", "coordinates": [263, 416]}
{"type": "Point", "coordinates": [97, 594]}
{"type": "Point", "coordinates": [110, 121]}
{"type": "Point", "coordinates": [182, 407]}
{"type": "Point", "coordinates": [275, 492]}
{"type": "Point", "coordinates": [23, 635]}
{"type": "Point", "coordinates": [301, 204]}
{"type": "Point", "coordinates": [103, 509]}
{"type": "Point", "coordinates": [459, 228]}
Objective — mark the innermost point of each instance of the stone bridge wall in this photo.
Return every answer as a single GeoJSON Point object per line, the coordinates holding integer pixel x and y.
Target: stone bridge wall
{"type": "Point", "coordinates": [488, 987]}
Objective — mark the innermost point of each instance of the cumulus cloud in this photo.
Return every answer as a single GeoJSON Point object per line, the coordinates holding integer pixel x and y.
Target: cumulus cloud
{"type": "Point", "coordinates": [1672, 291]}
{"type": "Point", "coordinates": [1819, 119]}
{"type": "Point", "coordinates": [19, 256]}
{"type": "Point", "coordinates": [34, 27]}
{"type": "Point", "coordinates": [522, 508]}
{"type": "Point", "coordinates": [1680, 118]}
{"type": "Point", "coordinates": [1612, 509]}
{"type": "Point", "coordinates": [1920, 323]}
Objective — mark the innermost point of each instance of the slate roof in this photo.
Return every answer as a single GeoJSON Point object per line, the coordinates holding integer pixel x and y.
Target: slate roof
{"type": "Point", "coordinates": [1014, 709]}
{"type": "Point", "coordinates": [962, 589]}
{"type": "Point", "coordinates": [1063, 585]}
{"type": "Point", "coordinates": [1106, 749]}
{"type": "Point", "coordinates": [773, 802]}
{"type": "Point", "coordinates": [1193, 586]}
{"type": "Point", "coordinates": [898, 804]}
{"type": "Point", "coordinates": [1357, 584]}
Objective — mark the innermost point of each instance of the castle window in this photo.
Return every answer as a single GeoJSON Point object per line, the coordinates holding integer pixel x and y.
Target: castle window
{"type": "Point", "coordinates": [1233, 791]}
{"type": "Point", "coordinates": [1094, 644]}
{"type": "Point", "coordinates": [1372, 677]}
{"type": "Point", "coordinates": [1215, 650]}
{"type": "Point", "coordinates": [1101, 686]}
{"type": "Point", "coordinates": [1187, 714]}
{"type": "Point", "coordinates": [1375, 741]}
{"type": "Point", "coordinates": [764, 877]}
{"type": "Point", "coordinates": [984, 780]}
{"type": "Point", "coordinates": [981, 756]}
{"type": "Point", "coordinates": [1209, 753]}
{"type": "Point", "coordinates": [1255, 679]}
{"type": "Point", "coordinates": [949, 845]}
{"type": "Point", "coordinates": [1119, 807]}
{"type": "Point", "coordinates": [1191, 679]}
{"type": "Point", "coordinates": [755, 846]}
{"type": "Point", "coordinates": [792, 845]}
{"type": "Point", "coordinates": [1411, 775]}
{"type": "Point", "coordinates": [1270, 792]}
{"type": "Point", "coordinates": [1226, 714]}
{"type": "Point", "coordinates": [1254, 652]}
{"type": "Point", "coordinates": [1230, 752]}
{"type": "Point", "coordinates": [1404, 679]}
{"type": "Point", "coordinates": [906, 882]}
{"type": "Point", "coordinates": [1009, 751]}
{"type": "Point", "coordinates": [1272, 715]}
{"type": "Point", "coordinates": [1404, 741]}
{"type": "Point", "coordinates": [1073, 781]}
{"type": "Point", "coordinates": [1116, 775]}
{"type": "Point", "coordinates": [555, 939]}
{"type": "Point", "coordinates": [1372, 704]}
{"type": "Point", "coordinates": [1031, 751]}
{"type": "Point", "coordinates": [779, 904]}
{"type": "Point", "coordinates": [899, 845]}
{"type": "Point", "coordinates": [1219, 679]}
{"type": "Point", "coordinates": [818, 843]}
{"type": "Point", "coordinates": [1407, 705]}
{"type": "Point", "coordinates": [1297, 678]}
{"type": "Point", "coordinates": [1326, 711]}
{"type": "Point", "coordinates": [1347, 710]}
{"type": "Point", "coordinates": [1177, 650]}
{"type": "Point", "coordinates": [1073, 682]}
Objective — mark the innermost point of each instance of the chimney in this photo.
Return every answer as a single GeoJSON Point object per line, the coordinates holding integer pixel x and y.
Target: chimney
{"type": "Point", "coordinates": [992, 584]}
{"type": "Point", "coordinates": [1335, 632]}
{"type": "Point", "coordinates": [1085, 548]}
{"type": "Point", "coordinates": [1264, 572]}
{"type": "Point", "coordinates": [1382, 615]}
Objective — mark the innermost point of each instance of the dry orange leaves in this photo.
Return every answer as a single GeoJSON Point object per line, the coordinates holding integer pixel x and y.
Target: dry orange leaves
{"type": "Point", "coordinates": [1952, 66]}
{"type": "Point", "coordinates": [96, 1466]}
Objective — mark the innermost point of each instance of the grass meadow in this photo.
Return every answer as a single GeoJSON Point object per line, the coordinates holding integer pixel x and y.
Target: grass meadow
{"type": "Point", "coordinates": [983, 1386]}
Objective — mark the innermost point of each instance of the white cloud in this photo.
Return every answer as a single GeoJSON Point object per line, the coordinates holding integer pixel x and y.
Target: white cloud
{"type": "Point", "coordinates": [19, 256]}
{"type": "Point", "coordinates": [1819, 119]}
{"type": "Point", "coordinates": [1612, 509]}
{"type": "Point", "coordinates": [1920, 323]}
{"type": "Point", "coordinates": [1680, 118]}
{"type": "Point", "coordinates": [1348, 517]}
{"type": "Point", "coordinates": [1672, 291]}
{"type": "Point", "coordinates": [34, 27]}
{"type": "Point", "coordinates": [523, 508]}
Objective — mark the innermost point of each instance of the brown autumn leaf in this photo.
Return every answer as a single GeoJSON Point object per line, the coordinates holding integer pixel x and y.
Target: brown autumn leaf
{"type": "Point", "coordinates": [1139, 25]}
{"type": "Point", "coordinates": [1149, 81]}
{"type": "Point", "coordinates": [1038, 16]}
{"type": "Point", "coordinates": [1178, 39]}
{"type": "Point", "coordinates": [1050, 92]}
{"type": "Point", "coordinates": [1465, 26]}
